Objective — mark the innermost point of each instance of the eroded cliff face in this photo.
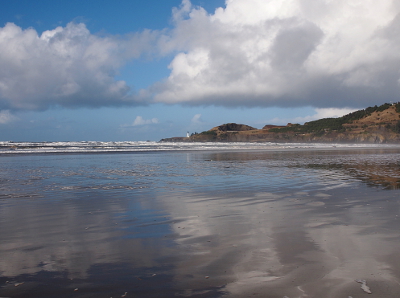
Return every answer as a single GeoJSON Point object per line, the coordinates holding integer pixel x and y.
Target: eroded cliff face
{"type": "Point", "coordinates": [364, 137]}
{"type": "Point", "coordinates": [380, 126]}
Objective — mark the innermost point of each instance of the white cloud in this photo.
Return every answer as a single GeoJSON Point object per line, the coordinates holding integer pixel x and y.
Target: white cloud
{"type": "Point", "coordinates": [320, 114]}
{"type": "Point", "coordinates": [67, 66]}
{"type": "Point", "coordinates": [332, 112]}
{"type": "Point", "coordinates": [284, 53]}
{"type": "Point", "coordinates": [140, 121]}
{"type": "Point", "coordinates": [197, 119]}
{"type": "Point", "coordinates": [7, 117]}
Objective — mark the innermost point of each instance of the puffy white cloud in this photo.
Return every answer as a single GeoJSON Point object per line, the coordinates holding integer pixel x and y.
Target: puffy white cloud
{"type": "Point", "coordinates": [331, 112]}
{"type": "Point", "coordinates": [140, 121]}
{"type": "Point", "coordinates": [320, 113]}
{"type": "Point", "coordinates": [67, 66]}
{"type": "Point", "coordinates": [284, 53]}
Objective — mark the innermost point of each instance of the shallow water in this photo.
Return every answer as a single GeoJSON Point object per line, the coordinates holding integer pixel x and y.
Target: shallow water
{"type": "Point", "coordinates": [303, 222]}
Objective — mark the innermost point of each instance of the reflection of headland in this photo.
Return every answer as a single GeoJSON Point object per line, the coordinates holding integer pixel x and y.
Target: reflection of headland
{"type": "Point", "coordinates": [375, 167]}
{"type": "Point", "coordinates": [377, 171]}
{"type": "Point", "coordinates": [386, 176]}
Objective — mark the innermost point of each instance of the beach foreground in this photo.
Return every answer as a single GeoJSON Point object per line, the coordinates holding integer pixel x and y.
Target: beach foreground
{"type": "Point", "coordinates": [219, 223]}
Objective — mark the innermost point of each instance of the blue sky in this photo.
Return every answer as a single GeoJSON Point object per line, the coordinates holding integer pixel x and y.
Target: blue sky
{"type": "Point", "coordinates": [145, 70]}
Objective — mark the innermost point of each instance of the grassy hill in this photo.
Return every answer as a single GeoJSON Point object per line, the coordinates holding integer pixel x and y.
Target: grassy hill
{"type": "Point", "coordinates": [386, 114]}
{"type": "Point", "coordinates": [378, 124]}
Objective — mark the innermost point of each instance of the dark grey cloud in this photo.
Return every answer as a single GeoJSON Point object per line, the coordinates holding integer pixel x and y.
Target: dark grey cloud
{"type": "Point", "coordinates": [293, 46]}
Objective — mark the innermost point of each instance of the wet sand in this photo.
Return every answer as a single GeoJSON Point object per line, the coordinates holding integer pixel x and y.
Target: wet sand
{"type": "Point", "coordinates": [298, 223]}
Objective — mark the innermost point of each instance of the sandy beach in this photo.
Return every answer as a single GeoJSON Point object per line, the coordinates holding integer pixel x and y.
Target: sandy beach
{"type": "Point", "coordinates": [293, 223]}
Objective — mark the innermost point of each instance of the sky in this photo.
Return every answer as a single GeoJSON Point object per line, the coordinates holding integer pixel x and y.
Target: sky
{"type": "Point", "coordinates": [132, 70]}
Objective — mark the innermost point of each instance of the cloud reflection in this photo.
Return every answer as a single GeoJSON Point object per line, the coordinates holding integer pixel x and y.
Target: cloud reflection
{"type": "Point", "coordinates": [211, 224]}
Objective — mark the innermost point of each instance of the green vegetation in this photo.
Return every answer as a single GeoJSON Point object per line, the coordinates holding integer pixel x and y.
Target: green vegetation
{"type": "Point", "coordinates": [334, 124]}
{"type": "Point", "coordinates": [311, 129]}
{"type": "Point", "coordinates": [294, 127]}
{"type": "Point", "coordinates": [366, 112]}
{"type": "Point", "coordinates": [209, 133]}
{"type": "Point", "coordinates": [313, 126]}
{"type": "Point", "coordinates": [324, 124]}
{"type": "Point", "coordinates": [395, 127]}
{"type": "Point", "coordinates": [397, 107]}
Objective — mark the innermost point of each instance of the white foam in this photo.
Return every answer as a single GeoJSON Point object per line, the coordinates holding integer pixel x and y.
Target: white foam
{"type": "Point", "coordinates": [364, 286]}
{"type": "Point", "coordinates": [140, 146]}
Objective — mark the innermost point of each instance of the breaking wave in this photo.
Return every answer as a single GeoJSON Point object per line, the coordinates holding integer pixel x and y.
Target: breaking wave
{"type": "Point", "coordinates": [10, 147]}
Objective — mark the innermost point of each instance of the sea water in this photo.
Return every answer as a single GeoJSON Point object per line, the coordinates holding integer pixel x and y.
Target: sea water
{"type": "Point", "coordinates": [144, 219]}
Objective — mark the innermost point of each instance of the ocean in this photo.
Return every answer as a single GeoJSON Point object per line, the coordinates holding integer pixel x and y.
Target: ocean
{"type": "Point", "coordinates": [148, 219]}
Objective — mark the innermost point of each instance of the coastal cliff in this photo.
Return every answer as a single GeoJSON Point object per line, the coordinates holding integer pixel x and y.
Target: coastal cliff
{"type": "Point", "coordinates": [378, 124]}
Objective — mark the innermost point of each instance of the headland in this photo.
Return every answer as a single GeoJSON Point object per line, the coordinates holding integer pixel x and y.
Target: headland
{"type": "Point", "coordinates": [378, 124]}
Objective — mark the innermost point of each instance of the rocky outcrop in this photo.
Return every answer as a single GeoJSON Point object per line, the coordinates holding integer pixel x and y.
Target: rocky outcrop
{"type": "Point", "coordinates": [232, 127]}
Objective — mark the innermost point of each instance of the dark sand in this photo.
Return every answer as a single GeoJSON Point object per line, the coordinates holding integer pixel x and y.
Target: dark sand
{"type": "Point", "coordinates": [298, 223]}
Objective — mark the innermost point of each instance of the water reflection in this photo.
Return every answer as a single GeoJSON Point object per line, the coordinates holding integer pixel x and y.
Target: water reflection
{"type": "Point", "coordinates": [386, 175]}
{"type": "Point", "coordinates": [375, 167]}
{"type": "Point", "coordinates": [271, 224]}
